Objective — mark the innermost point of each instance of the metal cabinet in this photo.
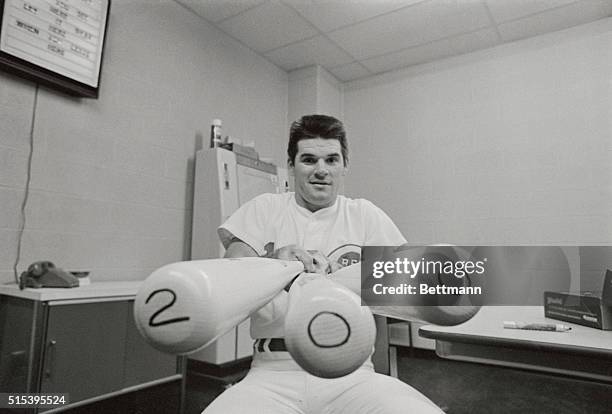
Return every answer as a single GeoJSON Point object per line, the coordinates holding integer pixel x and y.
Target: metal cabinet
{"type": "Point", "coordinates": [84, 349]}
{"type": "Point", "coordinates": [80, 342]}
{"type": "Point", "coordinates": [16, 316]}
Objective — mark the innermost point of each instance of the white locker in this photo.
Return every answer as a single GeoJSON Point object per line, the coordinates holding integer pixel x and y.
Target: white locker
{"type": "Point", "coordinates": [224, 180]}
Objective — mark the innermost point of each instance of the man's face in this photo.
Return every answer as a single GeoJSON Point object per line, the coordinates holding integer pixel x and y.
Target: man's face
{"type": "Point", "coordinates": [318, 170]}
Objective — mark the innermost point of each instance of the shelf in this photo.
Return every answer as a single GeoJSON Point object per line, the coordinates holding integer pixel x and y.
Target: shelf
{"type": "Point", "coordinates": [96, 290]}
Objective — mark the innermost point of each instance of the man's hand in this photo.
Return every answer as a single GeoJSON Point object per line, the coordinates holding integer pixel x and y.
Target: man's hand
{"type": "Point", "coordinates": [321, 263]}
{"type": "Point", "coordinates": [313, 260]}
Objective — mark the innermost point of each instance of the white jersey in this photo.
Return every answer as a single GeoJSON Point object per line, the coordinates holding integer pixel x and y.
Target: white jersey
{"type": "Point", "coordinates": [271, 221]}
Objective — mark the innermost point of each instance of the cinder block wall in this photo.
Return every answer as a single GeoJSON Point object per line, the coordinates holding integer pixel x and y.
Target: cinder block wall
{"type": "Point", "coordinates": [112, 178]}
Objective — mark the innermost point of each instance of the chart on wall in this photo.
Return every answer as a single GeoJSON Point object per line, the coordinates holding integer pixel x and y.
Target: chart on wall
{"type": "Point", "coordinates": [59, 41]}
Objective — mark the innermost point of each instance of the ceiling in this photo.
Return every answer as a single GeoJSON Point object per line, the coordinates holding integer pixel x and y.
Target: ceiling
{"type": "Point", "coordinates": [354, 39]}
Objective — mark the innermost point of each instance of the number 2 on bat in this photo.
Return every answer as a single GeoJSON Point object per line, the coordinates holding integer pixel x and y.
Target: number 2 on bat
{"type": "Point", "coordinates": [152, 321]}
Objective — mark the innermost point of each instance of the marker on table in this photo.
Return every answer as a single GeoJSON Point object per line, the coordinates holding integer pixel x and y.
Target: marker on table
{"type": "Point", "coordinates": [554, 327]}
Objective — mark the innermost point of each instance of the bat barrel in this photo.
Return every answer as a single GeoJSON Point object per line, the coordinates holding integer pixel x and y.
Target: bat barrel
{"type": "Point", "coordinates": [327, 332]}
{"type": "Point", "coordinates": [183, 307]}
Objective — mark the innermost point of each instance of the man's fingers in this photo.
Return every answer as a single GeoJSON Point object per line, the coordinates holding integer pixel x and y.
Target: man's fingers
{"type": "Point", "coordinates": [313, 260]}
{"type": "Point", "coordinates": [320, 261]}
{"type": "Point", "coordinates": [285, 253]}
{"type": "Point", "coordinates": [306, 259]}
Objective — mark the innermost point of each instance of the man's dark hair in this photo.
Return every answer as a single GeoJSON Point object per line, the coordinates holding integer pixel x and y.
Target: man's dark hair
{"type": "Point", "coordinates": [316, 126]}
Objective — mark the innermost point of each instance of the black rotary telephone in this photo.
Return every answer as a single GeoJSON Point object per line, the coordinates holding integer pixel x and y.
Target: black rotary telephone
{"type": "Point", "coordinates": [45, 274]}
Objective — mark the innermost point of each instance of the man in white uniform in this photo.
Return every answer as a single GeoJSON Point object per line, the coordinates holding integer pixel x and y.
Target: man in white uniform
{"type": "Point", "coordinates": [325, 231]}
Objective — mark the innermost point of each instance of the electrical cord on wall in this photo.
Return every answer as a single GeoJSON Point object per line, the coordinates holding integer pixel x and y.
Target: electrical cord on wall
{"type": "Point", "coordinates": [22, 219]}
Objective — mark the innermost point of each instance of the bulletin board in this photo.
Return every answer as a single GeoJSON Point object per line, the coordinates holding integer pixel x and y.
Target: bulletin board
{"type": "Point", "coordinates": [58, 43]}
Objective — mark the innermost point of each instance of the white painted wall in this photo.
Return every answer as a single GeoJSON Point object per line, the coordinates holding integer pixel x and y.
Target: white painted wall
{"type": "Point", "coordinates": [511, 145]}
{"type": "Point", "coordinates": [330, 100]}
{"type": "Point", "coordinates": [303, 92]}
{"type": "Point", "coordinates": [112, 178]}
{"type": "Point", "coordinates": [313, 90]}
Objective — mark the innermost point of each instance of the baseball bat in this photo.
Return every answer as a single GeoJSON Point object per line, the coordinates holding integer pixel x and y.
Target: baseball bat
{"type": "Point", "coordinates": [183, 307]}
{"type": "Point", "coordinates": [350, 277]}
{"type": "Point", "coordinates": [329, 334]}
{"type": "Point", "coordinates": [327, 331]}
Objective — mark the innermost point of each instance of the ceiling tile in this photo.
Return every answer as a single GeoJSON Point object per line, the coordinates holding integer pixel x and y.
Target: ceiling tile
{"type": "Point", "coordinates": [505, 10]}
{"type": "Point", "coordinates": [268, 26]}
{"type": "Point", "coordinates": [556, 19]}
{"type": "Point", "coordinates": [315, 51]}
{"type": "Point", "coordinates": [419, 24]}
{"type": "Point", "coordinates": [349, 72]}
{"type": "Point", "coordinates": [470, 42]}
{"type": "Point", "coordinates": [217, 10]}
{"type": "Point", "coordinates": [329, 15]}
{"type": "Point", "coordinates": [413, 56]}
{"type": "Point", "coordinates": [386, 34]}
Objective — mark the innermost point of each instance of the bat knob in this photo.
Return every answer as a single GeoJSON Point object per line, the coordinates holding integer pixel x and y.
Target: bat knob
{"type": "Point", "coordinates": [327, 331]}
